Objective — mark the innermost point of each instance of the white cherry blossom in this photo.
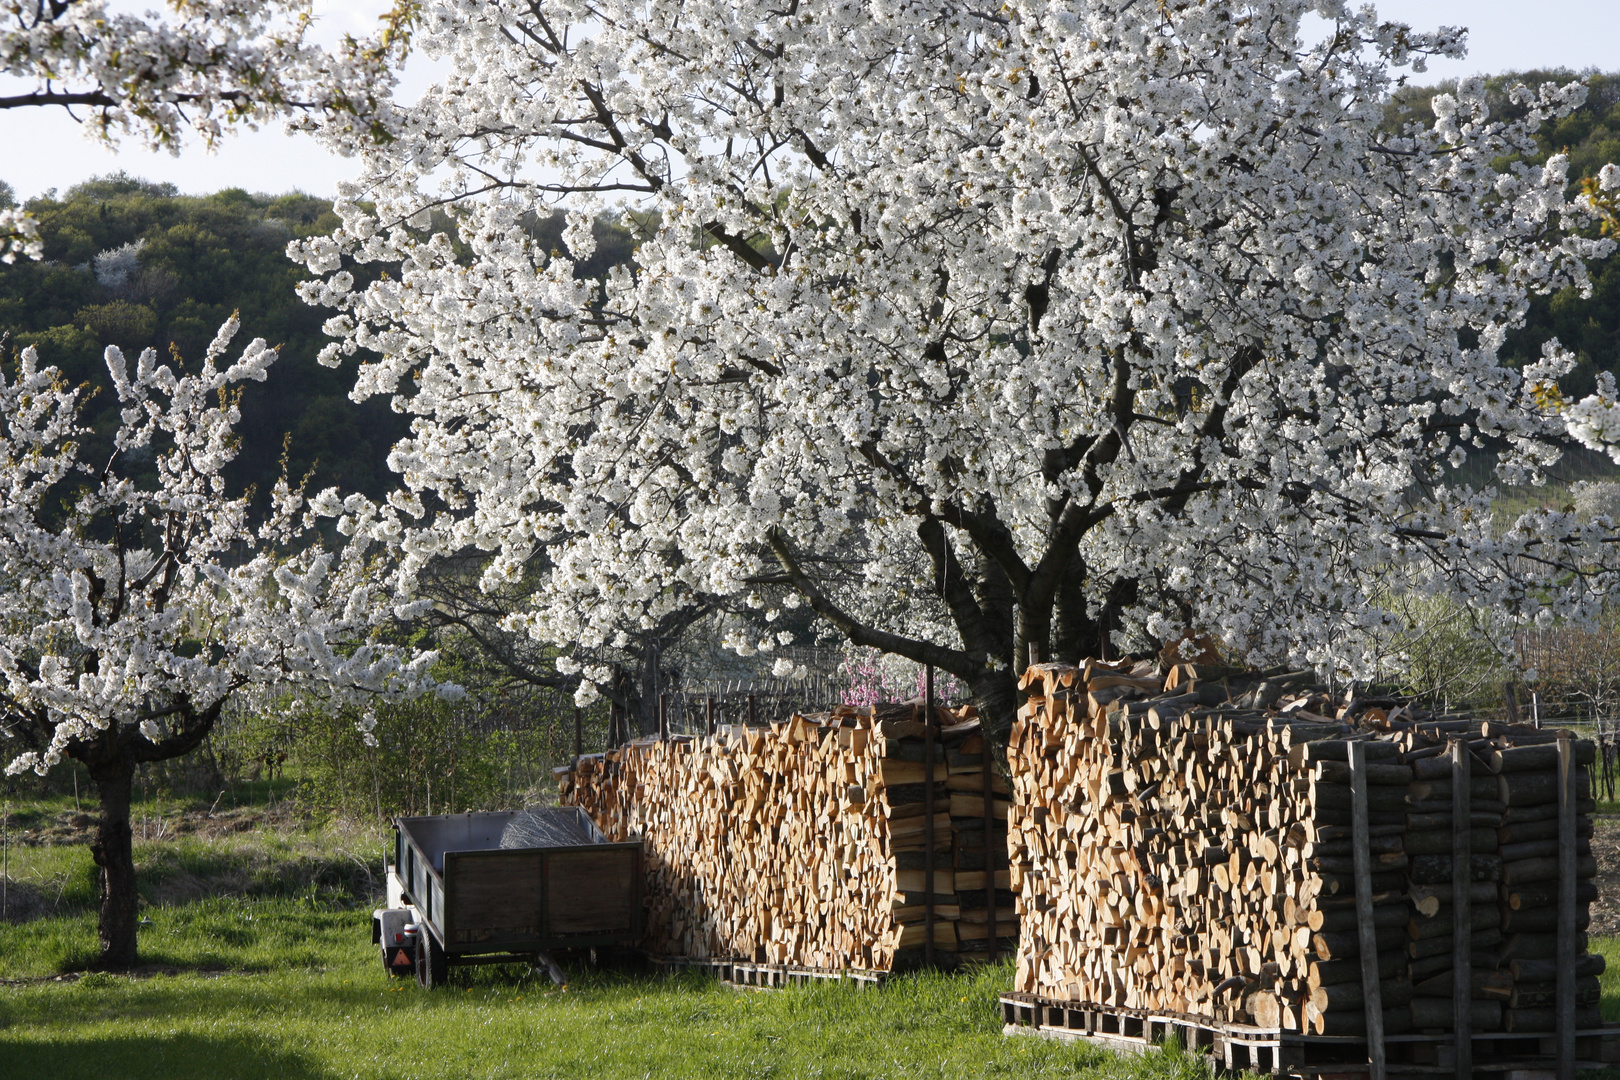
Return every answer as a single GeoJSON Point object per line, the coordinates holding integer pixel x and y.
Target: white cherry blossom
{"type": "Point", "coordinates": [1078, 325]}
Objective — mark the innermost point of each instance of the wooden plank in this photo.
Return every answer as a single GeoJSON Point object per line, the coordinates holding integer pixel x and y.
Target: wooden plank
{"type": "Point", "coordinates": [986, 788]}
{"type": "Point", "coordinates": [491, 896]}
{"type": "Point", "coordinates": [1567, 842]}
{"type": "Point", "coordinates": [1462, 932]}
{"type": "Point", "coordinates": [589, 891]}
{"type": "Point", "coordinates": [1373, 1007]}
{"type": "Point", "coordinates": [928, 820]}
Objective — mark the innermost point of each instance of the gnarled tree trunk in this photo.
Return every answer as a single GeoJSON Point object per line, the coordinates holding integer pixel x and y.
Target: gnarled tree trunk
{"type": "Point", "coordinates": [113, 851]}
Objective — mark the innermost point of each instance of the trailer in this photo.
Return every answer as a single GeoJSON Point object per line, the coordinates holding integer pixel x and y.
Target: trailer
{"type": "Point", "coordinates": [462, 890]}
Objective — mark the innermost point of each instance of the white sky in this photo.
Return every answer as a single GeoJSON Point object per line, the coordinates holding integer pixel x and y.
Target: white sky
{"type": "Point", "coordinates": [43, 148]}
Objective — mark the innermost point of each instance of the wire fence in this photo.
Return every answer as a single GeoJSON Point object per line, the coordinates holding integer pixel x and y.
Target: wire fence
{"type": "Point", "coordinates": [1592, 721]}
{"type": "Point", "coordinates": [695, 710]}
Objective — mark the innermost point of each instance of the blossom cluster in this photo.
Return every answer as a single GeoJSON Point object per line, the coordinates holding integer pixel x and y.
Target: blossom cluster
{"type": "Point", "coordinates": [19, 235]}
{"type": "Point", "coordinates": [202, 66]}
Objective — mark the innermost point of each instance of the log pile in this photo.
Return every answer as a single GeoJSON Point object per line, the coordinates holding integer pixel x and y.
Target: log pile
{"type": "Point", "coordinates": [806, 842]}
{"type": "Point", "coordinates": [1183, 843]}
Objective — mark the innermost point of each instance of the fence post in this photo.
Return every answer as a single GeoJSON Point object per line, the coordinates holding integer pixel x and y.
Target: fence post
{"type": "Point", "coordinates": [579, 735]}
{"type": "Point", "coordinates": [663, 717]}
{"type": "Point", "coordinates": [753, 719]}
{"type": "Point", "coordinates": [1564, 995]}
{"type": "Point", "coordinates": [928, 818]}
{"type": "Point", "coordinates": [1372, 999]}
{"type": "Point", "coordinates": [710, 718]}
{"type": "Point", "coordinates": [988, 790]}
{"type": "Point", "coordinates": [1462, 935]}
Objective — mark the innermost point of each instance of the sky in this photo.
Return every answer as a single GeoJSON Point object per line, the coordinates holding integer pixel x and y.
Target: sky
{"type": "Point", "coordinates": [43, 148]}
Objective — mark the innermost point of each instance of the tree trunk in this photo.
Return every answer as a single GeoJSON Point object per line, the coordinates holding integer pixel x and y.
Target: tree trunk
{"type": "Point", "coordinates": [995, 694]}
{"type": "Point", "coordinates": [113, 851]}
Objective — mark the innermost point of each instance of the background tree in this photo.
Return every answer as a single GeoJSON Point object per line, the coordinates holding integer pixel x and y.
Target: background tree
{"type": "Point", "coordinates": [138, 599]}
{"type": "Point", "coordinates": [136, 264]}
{"type": "Point", "coordinates": [972, 331]}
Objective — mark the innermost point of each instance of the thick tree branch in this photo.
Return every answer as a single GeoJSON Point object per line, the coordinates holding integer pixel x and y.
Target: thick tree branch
{"type": "Point", "coordinates": [922, 652]}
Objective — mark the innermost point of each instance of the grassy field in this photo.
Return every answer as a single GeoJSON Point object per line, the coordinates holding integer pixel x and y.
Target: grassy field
{"type": "Point", "coordinates": [257, 964]}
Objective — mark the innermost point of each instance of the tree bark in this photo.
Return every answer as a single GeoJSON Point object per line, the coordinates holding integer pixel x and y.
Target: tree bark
{"type": "Point", "coordinates": [995, 694]}
{"type": "Point", "coordinates": [114, 854]}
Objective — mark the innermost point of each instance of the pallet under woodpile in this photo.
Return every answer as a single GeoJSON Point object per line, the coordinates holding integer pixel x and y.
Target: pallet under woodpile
{"type": "Point", "coordinates": [1268, 865]}
{"type": "Point", "coordinates": [861, 840]}
{"type": "Point", "coordinates": [743, 973]}
{"type": "Point", "coordinates": [1248, 1048]}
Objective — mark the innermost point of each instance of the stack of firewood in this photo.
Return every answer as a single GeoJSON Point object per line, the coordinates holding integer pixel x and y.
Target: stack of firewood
{"type": "Point", "coordinates": [1183, 843]}
{"type": "Point", "coordinates": [806, 842]}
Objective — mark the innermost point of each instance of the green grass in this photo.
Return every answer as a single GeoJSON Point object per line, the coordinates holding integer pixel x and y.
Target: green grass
{"type": "Point", "coordinates": [256, 962]}
{"type": "Point", "coordinates": [322, 1007]}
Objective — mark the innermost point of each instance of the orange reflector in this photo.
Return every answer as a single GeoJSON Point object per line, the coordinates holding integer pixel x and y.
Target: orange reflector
{"type": "Point", "coordinates": [400, 959]}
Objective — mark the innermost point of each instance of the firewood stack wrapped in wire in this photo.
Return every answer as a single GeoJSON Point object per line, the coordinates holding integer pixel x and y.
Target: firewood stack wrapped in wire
{"type": "Point", "coordinates": [1182, 842]}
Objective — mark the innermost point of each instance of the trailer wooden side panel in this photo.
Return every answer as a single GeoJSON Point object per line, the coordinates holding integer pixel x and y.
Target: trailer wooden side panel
{"type": "Point", "coordinates": [495, 896]}
{"type": "Point", "coordinates": [593, 892]}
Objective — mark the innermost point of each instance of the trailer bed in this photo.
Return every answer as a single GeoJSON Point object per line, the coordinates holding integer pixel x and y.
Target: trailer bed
{"type": "Point", "coordinates": [479, 898]}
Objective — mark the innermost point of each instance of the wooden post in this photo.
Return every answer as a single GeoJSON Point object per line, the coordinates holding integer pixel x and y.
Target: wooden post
{"type": "Point", "coordinates": [710, 721]}
{"type": "Point", "coordinates": [579, 735]}
{"type": "Point", "coordinates": [1372, 1000]}
{"type": "Point", "coordinates": [928, 817]}
{"type": "Point", "coordinates": [988, 788]}
{"type": "Point", "coordinates": [1567, 844]}
{"type": "Point", "coordinates": [1462, 931]}
{"type": "Point", "coordinates": [1034, 654]}
{"type": "Point", "coordinates": [753, 718]}
{"type": "Point", "coordinates": [663, 717]}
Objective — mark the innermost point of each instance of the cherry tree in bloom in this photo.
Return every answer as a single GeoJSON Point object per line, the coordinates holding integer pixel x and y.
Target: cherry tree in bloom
{"type": "Point", "coordinates": [201, 67]}
{"type": "Point", "coordinates": [138, 598]}
{"type": "Point", "coordinates": [1081, 325]}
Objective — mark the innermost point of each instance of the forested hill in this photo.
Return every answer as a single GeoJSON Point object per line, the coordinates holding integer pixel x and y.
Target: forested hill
{"type": "Point", "coordinates": [134, 264]}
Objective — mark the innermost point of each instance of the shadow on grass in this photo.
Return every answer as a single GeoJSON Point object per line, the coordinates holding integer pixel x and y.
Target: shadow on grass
{"type": "Point", "coordinates": [168, 1057]}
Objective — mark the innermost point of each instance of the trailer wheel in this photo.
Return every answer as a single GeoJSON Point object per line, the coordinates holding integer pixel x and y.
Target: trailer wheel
{"type": "Point", "coordinates": [432, 966]}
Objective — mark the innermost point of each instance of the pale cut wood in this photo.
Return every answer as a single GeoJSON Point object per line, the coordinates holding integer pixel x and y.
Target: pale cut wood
{"type": "Point", "coordinates": [806, 841]}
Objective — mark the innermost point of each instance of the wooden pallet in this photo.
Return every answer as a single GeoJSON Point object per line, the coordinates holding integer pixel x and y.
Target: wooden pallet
{"type": "Point", "coordinates": [745, 973]}
{"type": "Point", "coordinates": [1245, 1048]}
